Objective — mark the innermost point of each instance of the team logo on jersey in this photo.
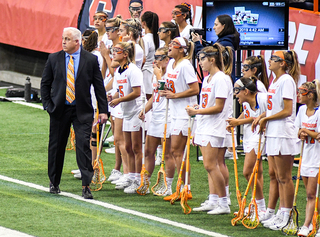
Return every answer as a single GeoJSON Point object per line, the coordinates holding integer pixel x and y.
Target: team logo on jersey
{"type": "Point", "coordinates": [272, 91]}
{"type": "Point", "coordinates": [206, 90]}
{"type": "Point", "coordinates": [309, 125]}
{"type": "Point", "coordinates": [121, 81]}
{"type": "Point", "coordinates": [172, 76]}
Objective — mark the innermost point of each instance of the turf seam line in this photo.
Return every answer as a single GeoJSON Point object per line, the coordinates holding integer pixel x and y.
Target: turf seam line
{"type": "Point", "coordinates": [117, 208]}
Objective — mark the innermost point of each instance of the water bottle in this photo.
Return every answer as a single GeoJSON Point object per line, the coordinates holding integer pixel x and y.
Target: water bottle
{"type": "Point", "coordinates": [27, 90]}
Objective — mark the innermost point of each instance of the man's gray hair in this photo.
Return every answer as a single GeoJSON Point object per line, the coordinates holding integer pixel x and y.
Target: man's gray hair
{"type": "Point", "coordinates": [76, 34]}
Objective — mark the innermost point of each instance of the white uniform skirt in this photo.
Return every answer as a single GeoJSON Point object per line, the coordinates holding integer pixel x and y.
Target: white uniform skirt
{"type": "Point", "coordinates": [284, 146]}
{"type": "Point", "coordinates": [181, 125]}
{"type": "Point", "coordinates": [147, 81]}
{"type": "Point", "coordinates": [309, 171]}
{"type": "Point", "coordinates": [203, 140]}
{"type": "Point", "coordinates": [156, 129]}
{"type": "Point", "coordinates": [132, 125]}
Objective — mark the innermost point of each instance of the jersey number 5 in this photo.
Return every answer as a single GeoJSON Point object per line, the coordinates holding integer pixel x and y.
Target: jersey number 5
{"type": "Point", "coordinates": [121, 91]}
{"type": "Point", "coordinates": [312, 141]}
{"type": "Point", "coordinates": [269, 102]}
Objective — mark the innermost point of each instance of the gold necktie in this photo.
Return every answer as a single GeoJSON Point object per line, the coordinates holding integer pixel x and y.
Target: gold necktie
{"type": "Point", "coordinates": [70, 92]}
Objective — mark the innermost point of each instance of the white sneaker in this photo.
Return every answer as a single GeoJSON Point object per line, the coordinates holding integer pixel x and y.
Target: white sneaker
{"type": "Point", "coordinates": [133, 187]}
{"type": "Point", "coordinates": [277, 219]}
{"type": "Point", "coordinates": [111, 150]}
{"type": "Point", "coordinates": [168, 192]}
{"type": "Point", "coordinates": [317, 234]}
{"type": "Point", "coordinates": [304, 231]}
{"type": "Point", "coordinates": [279, 225]}
{"type": "Point", "coordinates": [218, 210]}
{"type": "Point", "coordinates": [207, 207]}
{"type": "Point", "coordinates": [267, 216]}
{"type": "Point", "coordinates": [115, 175]}
{"type": "Point", "coordinates": [204, 203]}
{"type": "Point", "coordinates": [78, 176]}
{"type": "Point", "coordinates": [229, 155]}
{"type": "Point", "coordinates": [75, 171]}
{"type": "Point", "coordinates": [126, 183]}
{"type": "Point", "coordinates": [110, 139]}
{"type": "Point", "coordinates": [228, 199]}
{"type": "Point", "coordinates": [158, 159]}
{"type": "Point", "coordinates": [120, 180]}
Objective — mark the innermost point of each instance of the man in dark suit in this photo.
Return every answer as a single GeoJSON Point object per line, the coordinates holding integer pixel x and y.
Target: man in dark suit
{"type": "Point", "coordinates": [65, 93]}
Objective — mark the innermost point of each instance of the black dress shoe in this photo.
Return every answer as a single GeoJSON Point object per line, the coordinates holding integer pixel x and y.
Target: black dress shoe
{"type": "Point", "coordinates": [54, 189]}
{"type": "Point", "coordinates": [86, 193]}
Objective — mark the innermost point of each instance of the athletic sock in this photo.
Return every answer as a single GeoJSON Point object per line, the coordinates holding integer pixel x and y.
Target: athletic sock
{"type": "Point", "coordinates": [213, 199]}
{"type": "Point", "coordinates": [286, 212]}
{"type": "Point", "coordinates": [227, 190]}
{"type": "Point", "coordinates": [159, 150]}
{"type": "Point", "coordinates": [138, 177]}
{"type": "Point", "coordinates": [261, 204]}
{"type": "Point", "coordinates": [169, 183]}
{"type": "Point", "coordinates": [270, 210]}
{"type": "Point", "coordinates": [223, 201]}
{"type": "Point", "coordinates": [132, 176]}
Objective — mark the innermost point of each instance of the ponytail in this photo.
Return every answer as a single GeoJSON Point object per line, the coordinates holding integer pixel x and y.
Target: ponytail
{"type": "Point", "coordinates": [91, 43]}
{"type": "Point", "coordinates": [227, 60]}
{"type": "Point", "coordinates": [152, 21]}
{"type": "Point", "coordinates": [186, 9]}
{"type": "Point", "coordinates": [292, 64]}
{"type": "Point", "coordinates": [129, 47]}
{"type": "Point", "coordinates": [215, 51]}
{"type": "Point", "coordinates": [259, 63]}
{"type": "Point", "coordinates": [190, 49]}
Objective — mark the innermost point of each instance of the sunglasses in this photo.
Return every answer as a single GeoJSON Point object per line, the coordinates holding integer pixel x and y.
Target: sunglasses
{"type": "Point", "coordinates": [276, 58]}
{"type": "Point", "coordinates": [111, 29]}
{"type": "Point", "coordinates": [100, 18]}
{"type": "Point", "coordinates": [136, 9]}
{"type": "Point", "coordinates": [236, 90]}
{"type": "Point", "coordinates": [117, 50]}
{"type": "Point", "coordinates": [160, 57]}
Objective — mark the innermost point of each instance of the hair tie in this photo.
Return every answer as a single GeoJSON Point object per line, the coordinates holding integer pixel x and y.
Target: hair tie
{"type": "Point", "coordinates": [258, 57]}
{"type": "Point", "coordinates": [186, 5]}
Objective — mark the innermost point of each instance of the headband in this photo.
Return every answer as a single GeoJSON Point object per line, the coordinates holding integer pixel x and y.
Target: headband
{"type": "Point", "coordinates": [186, 5]}
{"type": "Point", "coordinates": [138, 1]}
{"type": "Point", "coordinates": [280, 54]}
{"type": "Point", "coordinates": [182, 42]}
{"type": "Point", "coordinates": [239, 82]}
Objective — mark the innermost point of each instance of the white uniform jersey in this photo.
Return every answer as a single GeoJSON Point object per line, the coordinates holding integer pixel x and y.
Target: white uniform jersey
{"type": "Point", "coordinates": [177, 80]}
{"type": "Point", "coordinates": [159, 103]}
{"type": "Point", "coordinates": [213, 124]}
{"type": "Point", "coordinates": [261, 87]}
{"type": "Point", "coordinates": [283, 88]}
{"type": "Point", "coordinates": [93, 95]}
{"type": "Point", "coordinates": [131, 77]}
{"type": "Point", "coordinates": [186, 32]}
{"type": "Point", "coordinates": [149, 51]}
{"type": "Point", "coordinates": [311, 148]}
{"type": "Point", "coordinates": [139, 55]}
{"type": "Point", "coordinates": [261, 107]}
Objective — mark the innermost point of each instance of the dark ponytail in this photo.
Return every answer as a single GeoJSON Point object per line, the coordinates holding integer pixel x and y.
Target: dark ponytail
{"type": "Point", "coordinates": [152, 21]}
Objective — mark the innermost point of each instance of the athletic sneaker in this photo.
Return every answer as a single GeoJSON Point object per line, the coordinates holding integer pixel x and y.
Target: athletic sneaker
{"type": "Point", "coordinates": [133, 187]}
{"type": "Point", "coordinates": [207, 207]}
{"type": "Point", "coordinates": [77, 176]}
{"type": "Point", "coordinates": [115, 175]}
{"type": "Point", "coordinates": [158, 159]}
{"type": "Point", "coordinates": [317, 234]}
{"type": "Point", "coordinates": [110, 139]}
{"type": "Point", "coordinates": [219, 210]}
{"type": "Point", "coordinates": [228, 199]}
{"type": "Point", "coordinates": [168, 198]}
{"type": "Point", "coordinates": [279, 225]}
{"type": "Point", "coordinates": [229, 155]}
{"type": "Point", "coordinates": [304, 231]}
{"type": "Point", "coordinates": [111, 150]}
{"type": "Point", "coordinates": [277, 219]}
{"type": "Point", "coordinates": [75, 171]}
{"type": "Point", "coordinates": [126, 183]}
{"type": "Point", "coordinates": [168, 192]}
{"type": "Point", "coordinates": [204, 203]}
{"type": "Point", "coordinates": [245, 212]}
{"type": "Point", "coordinates": [120, 180]}
{"type": "Point", "coordinates": [267, 216]}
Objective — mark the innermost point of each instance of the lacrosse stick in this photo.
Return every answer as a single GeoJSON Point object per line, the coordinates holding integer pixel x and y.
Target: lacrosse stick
{"type": "Point", "coordinates": [292, 227]}
{"type": "Point", "coordinates": [251, 221]}
{"type": "Point", "coordinates": [184, 194]}
{"type": "Point", "coordinates": [96, 184]}
{"type": "Point", "coordinates": [179, 181]}
{"type": "Point", "coordinates": [144, 186]}
{"type": "Point", "coordinates": [161, 186]}
{"type": "Point", "coordinates": [235, 167]}
{"type": "Point", "coordinates": [240, 213]}
{"type": "Point", "coordinates": [315, 218]}
{"type": "Point", "coordinates": [106, 136]}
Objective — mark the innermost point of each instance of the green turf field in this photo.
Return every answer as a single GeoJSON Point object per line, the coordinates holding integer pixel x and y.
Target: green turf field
{"type": "Point", "coordinates": [23, 156]}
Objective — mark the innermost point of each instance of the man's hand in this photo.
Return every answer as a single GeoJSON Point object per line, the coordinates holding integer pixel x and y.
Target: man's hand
{"type": "Point", "coordinates": [103, 118]}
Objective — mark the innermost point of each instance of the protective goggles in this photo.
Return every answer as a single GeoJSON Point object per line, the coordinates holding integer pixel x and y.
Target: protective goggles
{"type": "Point", "coordinates": [160, 57]}
{"type": "Point", "coordinates": [165, 29]}
{"type": "Point", "coordinates": [202, 55]}
{"type": "Point", "coordinates": [111, 29]}
{"type": "Point", "coordinates": [236, 90]}
{"type": "Point", "coordinates": [177, 13]}
{"type": "Point", "coordinates": [246, 67]}
{"type": "Point", "coordinates": [136, 9]}
{"type": "Point", "coordinates": [303, 91]}
{"type": "Point", "coordinates": [117, 50]}
{"type": "Point", "coordinates": [100, 18]}
{"type": "Point", "coordinates": [276, 58]}
{"type": "Point", "coordinates": [175, 44]}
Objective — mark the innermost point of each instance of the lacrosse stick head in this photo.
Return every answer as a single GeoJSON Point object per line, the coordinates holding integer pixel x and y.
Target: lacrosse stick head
{"type": "Point", "coordinates": [184, 200]}
{"type": "Point", "coordinates": [161, 186]}
{"type": "Point", "coordinates": [292, 227]}
{"type": "Point", "coordinates": [144, 186]}
{"type": "Point", "coordinates": [95, 184]}
{"type": "Point", "coordinates": [240, 213]}
{"type": "Point", "coordinates": [102, 175]}
{"type": "Point", "coordinates": [251, 220]}
{"type": "Point", "coordinates": [315, 223]}
{"type": "Point", "coordinates": [177, 193]}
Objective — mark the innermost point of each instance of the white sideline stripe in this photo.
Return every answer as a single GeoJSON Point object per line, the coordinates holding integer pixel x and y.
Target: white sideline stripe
{"type": "Point", "coordinates": [116, 208]}
{"type": "Point", "coordinates": [5, 232]}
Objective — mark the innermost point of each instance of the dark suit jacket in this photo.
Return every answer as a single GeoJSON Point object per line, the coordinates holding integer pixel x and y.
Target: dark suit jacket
{"type": "Point", "coordinates": [53, 86]}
